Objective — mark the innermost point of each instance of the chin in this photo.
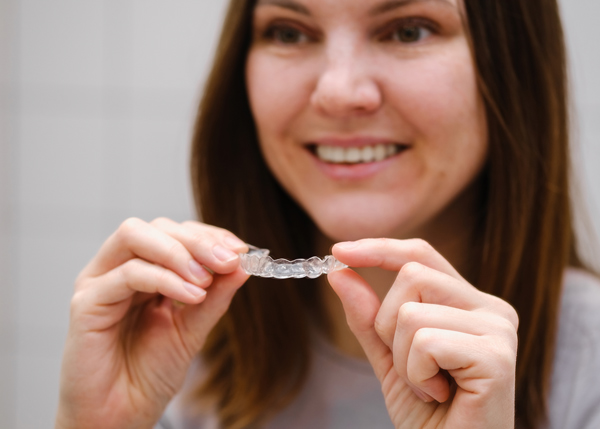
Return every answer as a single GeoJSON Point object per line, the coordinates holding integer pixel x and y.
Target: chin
{"type": "Point", "coordinates": [355, 216]}
{"type": "Point", "coordinates": [357, 225]}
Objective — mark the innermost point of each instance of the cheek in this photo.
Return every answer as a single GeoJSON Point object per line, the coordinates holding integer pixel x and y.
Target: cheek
{"type": "Point", "coordinates": [439, 97]}
{"type": "Point", "coordinates": [277, 92]}
{"type": "Point", "coordinates": [439, 100]}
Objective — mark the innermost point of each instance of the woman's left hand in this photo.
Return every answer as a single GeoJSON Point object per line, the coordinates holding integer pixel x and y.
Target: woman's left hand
{"type": "Point", "coordinates": [444, 352]}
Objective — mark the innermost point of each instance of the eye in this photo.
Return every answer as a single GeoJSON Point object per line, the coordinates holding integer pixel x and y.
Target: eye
{"type": "Point", "coordinates": [286, 35]}
{"type": "Point", "coordinates": [408, 31]}
{"type": "Point", "coordinates": [410, 34]}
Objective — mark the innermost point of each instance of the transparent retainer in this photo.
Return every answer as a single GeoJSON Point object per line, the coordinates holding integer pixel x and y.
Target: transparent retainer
{"type": "Point", "coordinates": [257, 262]}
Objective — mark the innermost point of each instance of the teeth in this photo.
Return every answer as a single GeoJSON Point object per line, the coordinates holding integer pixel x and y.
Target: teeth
{"type": "Point", "coordinates": [354, 155]}
{"type": "Point", "coordinates": [367, 154]}
{"type": "Point", "coordinates": [338, 154]}
{"type": "Point", "coordinates": [380, 152]}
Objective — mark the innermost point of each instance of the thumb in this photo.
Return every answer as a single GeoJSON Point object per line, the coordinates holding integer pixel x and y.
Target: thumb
{"type": "Point", "coordinates": [201, 318]}
{"type": "Point", "coordinates": [361, 306]}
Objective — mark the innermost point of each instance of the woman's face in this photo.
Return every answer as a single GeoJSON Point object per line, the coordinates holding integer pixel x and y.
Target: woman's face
{"type": "Point", "coordinates": [367, 111]}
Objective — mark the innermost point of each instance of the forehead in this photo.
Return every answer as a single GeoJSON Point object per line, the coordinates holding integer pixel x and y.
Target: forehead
{"type": "Point", "coordinates": [371, 7]}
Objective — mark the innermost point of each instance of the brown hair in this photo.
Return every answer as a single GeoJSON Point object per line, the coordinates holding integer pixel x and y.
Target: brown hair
{"type": "Point", "coordinates": [258, 354]}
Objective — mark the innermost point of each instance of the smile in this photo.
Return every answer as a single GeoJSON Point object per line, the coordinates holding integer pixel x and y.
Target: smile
{"type": "Point", "coordinates": [356, 155]}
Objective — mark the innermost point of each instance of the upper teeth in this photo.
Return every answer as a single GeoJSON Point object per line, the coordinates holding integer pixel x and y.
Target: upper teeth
{"type": "Point", "coordinates": [352, 155]}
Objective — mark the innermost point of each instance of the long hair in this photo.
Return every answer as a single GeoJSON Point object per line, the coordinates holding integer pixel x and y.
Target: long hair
{"type": "Point", "coordinates": [257, 356]}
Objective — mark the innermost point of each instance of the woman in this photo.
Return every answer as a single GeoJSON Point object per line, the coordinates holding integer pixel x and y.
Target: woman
{"type": "Point", "coordinates": [430, 137]}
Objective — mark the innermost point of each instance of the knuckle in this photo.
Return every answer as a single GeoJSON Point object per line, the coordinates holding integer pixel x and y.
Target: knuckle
{"type": "Point", "coordinates": [410, 272]}
{"type": "Point", "coordinates": [382, 242]}
{"type": "Point", "coordinates": [381, 326]}
{"type": "Point", "coordinates": [512, 316]}
{"type": "Point", "coordinates": [175, 250]}
{"type": "Point", "coordinates": [506, 325]}
{"type": "Point", "coordinates": [128, 228]}
{"type": "Point", "coordinates": [77, 302]}
{"type": "Point", "coordinates": [422, 339]}
{"type": "Point", "coordinates": [131, 272]}
{"type": "Point", "coordinates": [381, 246]}
{"type": "Point", "coordinates": [161, 221]}
{"type": "Point", "coordinates": [198, 237]}
{"type": "Point", "coordinates": [358, 329]}
{"type": "Point", "coordinates": [163, 277]}
{"type": "Point", "coordinates": [191, 224]}
{"type": "Point", "coordinates": [407, 314]}
{"type": "Point", "coordinates": [507, 334]}
{"type": "Point", "coordinates": [126, 272]}
{"type": "Point", "coordinates": [352, 325]}
{"type": "Point", "coordinates": [512, 337]}
{"type": "Point", "coordinates": [507, 311]}
{"type": "Point", "coordinates": [420, 248]}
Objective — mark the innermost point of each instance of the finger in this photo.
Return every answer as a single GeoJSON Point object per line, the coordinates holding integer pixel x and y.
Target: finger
{"type": "Point", "coordinates": [137, 275]}
{"type": "Point", "coordinates": [228, 238]}
{"type": "Point", "coordinates": [391, 254]}
{"type": "Point", "coordinates": [138, 239]}
{"type": "Point", "coordinates": [418, 283]}
{"type": "Point", "coordinates": [478, 364]}
{"type": "Point", "coordinates": [413, 317]}
{"type": "Point", "coordinates": [361, 305]}
{"type": "Point", "coordinates": [108, 297]}
{"type": "Point", "coordinates": [216, 248]}
{"type": "Point", "coordinates": [199, 320]}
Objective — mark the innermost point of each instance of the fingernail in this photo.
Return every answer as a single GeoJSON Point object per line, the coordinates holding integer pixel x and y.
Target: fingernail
{"type": "Point", "coordinates": [422, 396]}
{"type": "Point", "coordinates": [194, 290]}
{"type": "Point", "coordinates": [234, 242]}
{"type": "Point", "coordinates": [223, 253]}
{"type": "Point", "coordinates": [198, 271]}
{"type": "Point", "coordinates": [347, 245]}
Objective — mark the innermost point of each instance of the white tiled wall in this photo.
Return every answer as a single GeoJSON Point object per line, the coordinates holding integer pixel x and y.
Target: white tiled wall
{"type": "Point", "coordinates": [582, 35]}
{"type": "Point", "coordinates": [8, 314]}
{"type": "Point", "coordinates": [98, 131]}
{"type": "Point", "coordinates": [96, 109]}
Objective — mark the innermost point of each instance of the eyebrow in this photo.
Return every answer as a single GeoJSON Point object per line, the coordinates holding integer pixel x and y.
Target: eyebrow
{"type": "Point", "coordinates": [286, 4]}
{"type": "Point", "coordinates": [394, 4]}
{"type": "Point", "coordinates": [377, 10]}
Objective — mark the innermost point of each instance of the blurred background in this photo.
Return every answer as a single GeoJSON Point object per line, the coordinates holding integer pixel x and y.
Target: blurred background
{"type": "Point", "coordinates": [97, 100]}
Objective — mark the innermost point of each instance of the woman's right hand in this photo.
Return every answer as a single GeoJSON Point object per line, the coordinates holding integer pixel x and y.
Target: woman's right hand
{"type": "Point", "coordinates": [141, 311]}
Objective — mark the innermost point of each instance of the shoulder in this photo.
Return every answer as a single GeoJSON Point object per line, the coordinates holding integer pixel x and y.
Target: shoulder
{"type": "Point", "coordinates": [574, 400]}
{"type": "Point", "coordinates": [578, 336]}
{"type": "Point", "coordinates": [580, 308]}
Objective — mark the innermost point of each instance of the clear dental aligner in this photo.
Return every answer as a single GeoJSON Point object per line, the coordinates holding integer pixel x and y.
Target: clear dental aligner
{"type": "Point", "coordinates": [257, 262]}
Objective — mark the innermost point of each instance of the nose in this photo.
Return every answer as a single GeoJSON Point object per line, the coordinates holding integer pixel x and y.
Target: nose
{"type": "Point", "coordinates": [347, 86]}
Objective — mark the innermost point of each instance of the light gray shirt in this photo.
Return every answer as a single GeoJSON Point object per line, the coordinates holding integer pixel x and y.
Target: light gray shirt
{"type": "Point", "coordinates": [342, 392]}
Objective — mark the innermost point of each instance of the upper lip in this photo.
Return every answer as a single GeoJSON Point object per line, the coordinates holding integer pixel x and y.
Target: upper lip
{"type": "Point", "coordinates": [354, 141]}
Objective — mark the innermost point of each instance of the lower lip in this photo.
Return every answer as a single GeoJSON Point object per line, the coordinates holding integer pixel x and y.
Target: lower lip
{"type": "Point", "coordinates": [355, 171]}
